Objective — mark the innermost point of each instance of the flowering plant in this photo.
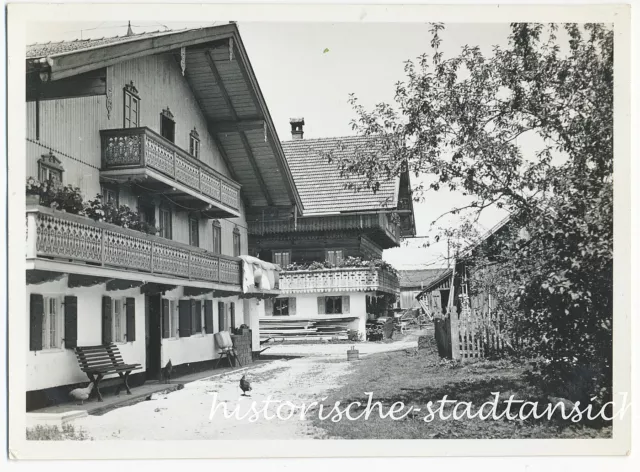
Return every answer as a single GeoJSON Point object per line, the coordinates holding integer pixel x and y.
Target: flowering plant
{"type": "Point", "coordinates": [122, 215]}
{"type": "Point", "coordinates": [68, 198]}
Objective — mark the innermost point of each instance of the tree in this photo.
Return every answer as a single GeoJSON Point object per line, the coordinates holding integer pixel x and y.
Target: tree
{"type": "Point", "coordinates": [463, 121]}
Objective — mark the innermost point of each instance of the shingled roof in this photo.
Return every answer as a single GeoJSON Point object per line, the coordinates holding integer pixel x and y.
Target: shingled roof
{"type": "Point", "coordinates": [38, 50]}
{"type": "Point", "coordinates": [319, 183]}
{"type": "Point", "coordinates": [419, 278]}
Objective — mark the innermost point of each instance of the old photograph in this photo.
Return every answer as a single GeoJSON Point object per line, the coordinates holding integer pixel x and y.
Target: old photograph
{"type": "Point", "coordinates": [318, 230]}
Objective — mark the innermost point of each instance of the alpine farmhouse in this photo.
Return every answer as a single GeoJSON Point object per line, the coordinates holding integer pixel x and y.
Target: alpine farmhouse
{"type": "Point", "coordinates": [333, 276]}
{"type": "Point", "coordinates": [173, 125]}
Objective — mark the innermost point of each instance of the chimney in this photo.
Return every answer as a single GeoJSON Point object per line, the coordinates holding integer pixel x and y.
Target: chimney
{"type": "Point", "coordinates": [296, 128]}
{"type": "Point", "coordinates": [129, 30]}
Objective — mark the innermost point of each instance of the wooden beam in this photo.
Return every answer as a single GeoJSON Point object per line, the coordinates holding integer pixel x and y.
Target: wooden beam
{"type": "Point", "coordinates": [274, 143]}
{"type": "Point", "coordinates": [120, 284]}
{"type": "Point", "coordinates": [243, 137]}
{"type": "Point", "coordinates": [77, 62]}
{"type": "Point", "coordinates": [237, 126]}
{"type": "Point", "coordinates": [220, 84]}
{"type": "Point", "coordinates": [77, 280]}
{"type": "Point", "coordinates": [155, 288]}
{"type": "Point", "coordinates": [196, 291]}
{"type": "Point", "coordinates": [254, 166]}
{"type": "Point", "coordinates": [36, 277]}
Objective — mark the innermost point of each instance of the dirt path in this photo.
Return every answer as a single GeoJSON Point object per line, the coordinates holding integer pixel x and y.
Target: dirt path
{"type": "Point", "coordinates": [184, 414]}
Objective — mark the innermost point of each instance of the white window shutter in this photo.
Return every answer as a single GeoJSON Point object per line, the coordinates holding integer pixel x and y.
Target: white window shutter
{"type": "Point", "coordinates": [292, 306]}
{"type": "Point", "coordinates": [345, 304]}
{"type": "Point", "coordinates": [321, 309]}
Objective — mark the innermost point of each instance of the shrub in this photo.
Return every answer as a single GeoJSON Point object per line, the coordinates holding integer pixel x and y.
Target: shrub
{"type": "Point", "coordinates": [53, 433]}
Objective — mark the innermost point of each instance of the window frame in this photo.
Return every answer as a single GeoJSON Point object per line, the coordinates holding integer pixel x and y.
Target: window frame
{"type": "Point", "coordinates": [106, 189]}
{"type": "Point", "coordinates": [130, 93]}
{"type": "Point", "coordinates": [122, 321]}
{"type": "Point", "coordinates": [338, 255]}
{"type": "Point", "coordinates": [237, 242]}
{"type": "Point", "coordinates": [48, 167]}
{"type": "Point", "coordinates": [217, 237]}
{"type": "Point", "coordinates": [194, 144]}
{"type": "Point", "coordinates": [278, 257]}
{"type": "Point", "coordinates": [333, 299]}
{"type": "Point", "coordinates": [58, 321]}
{"type": "Point", "coordinates": [195, 242]}
{"type": "Point", "coordinates": [164, 229]}
{"type": "Point", "coordinates": [280, 301]}
{"type": "Point", "coordinates": [168, 125]}
{"type": "Point", "coordinates": [195, 315]}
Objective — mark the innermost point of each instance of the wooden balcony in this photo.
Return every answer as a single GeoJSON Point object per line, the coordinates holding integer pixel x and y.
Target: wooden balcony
{"type": "Point", "coordinates": [58, 240]}
{"type": "Point", "coordinates": [377, 225]}
{"type": "Point", "coordinates": [360, 279]}
{"type": "Point", "coordinates": [140, 154]}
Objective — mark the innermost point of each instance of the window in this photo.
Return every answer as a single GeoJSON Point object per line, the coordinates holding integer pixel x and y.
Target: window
{"type": "Point", "coordinates": [334, 256]}
{"type": "Point", "coordinates": [333, 305]}
{"type": "Point", "coordinates": [232, 315]}
{"type": "Point", "coordinates": [50, 169]}
{"type": "Point", "coordinates": [147, 212]}
{"type": "Point", "coordinates": [52, 323]}
{"type": "Point", "coordinates": [118, 320]}
{"type": "Point", "coordinates": [167, 125]}
{"type": "Point", "coordinates": [196, 317]}
{"type": "Point", "coordinates": [194, 144]}
{"type": "Point", "coordinates": [282, 258]}
{"type": "Point", "coordinates": [194, 236]}
{"type": "Point", "coordinates": [110, 195]}
{"type": "Point", "coordinates": [281, 307]}
{"type": "Point", "coordinates": [236, 242]}
{"type": "Point", "coordinates": [217, 238]}
{"type": "Point", "coordinates": [131, 106]}
{"type": "Point", "coordinates": [221, 316]}
{"type": "Point", "coordinates": [164, 215]}
{"type": "Point", "coordinates": [170, 318]}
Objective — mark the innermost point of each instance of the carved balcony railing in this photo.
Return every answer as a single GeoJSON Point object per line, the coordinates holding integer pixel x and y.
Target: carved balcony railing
{"type": "Point", "coordinates": [142, 147]}
{"type": "Point", "coordinates": [77, 239]}
{"type": "Point", "coordinates": [375, 221]}
{"type": "Point", "coordinates": [359, 279]}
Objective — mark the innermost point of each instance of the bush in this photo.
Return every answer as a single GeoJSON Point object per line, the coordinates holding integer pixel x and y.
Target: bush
{"type": "Point", "coordinates": [53, 433]}
{"type": "Point", "coordinates": [121, 215]}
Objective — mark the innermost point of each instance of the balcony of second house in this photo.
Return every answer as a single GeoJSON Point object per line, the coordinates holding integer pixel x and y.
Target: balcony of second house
{"type": "Point", "coordinates": [155, 163]}
{"type": "Point", "coordinates": [343, 279]}
{"type": "Point", "coordinates": [380, 227]}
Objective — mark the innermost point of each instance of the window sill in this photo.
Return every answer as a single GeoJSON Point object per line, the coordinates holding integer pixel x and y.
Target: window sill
{"type": "Point", "coordinates": [54, 350]}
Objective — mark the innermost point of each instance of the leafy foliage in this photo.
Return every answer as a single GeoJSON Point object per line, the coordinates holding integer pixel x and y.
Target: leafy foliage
{"type": "Point", "coordinates": [469, 122]}
{"type": "Point", "coordinates": [347, 262]}
{"type": "Point", "coordinates": [69, 199]}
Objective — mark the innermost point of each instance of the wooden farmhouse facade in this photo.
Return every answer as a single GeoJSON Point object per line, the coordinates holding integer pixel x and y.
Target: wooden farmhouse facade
{"type": "Point", "coordinates": [173, 125]}
{"type": "Point", "coordinates": [330, 254]}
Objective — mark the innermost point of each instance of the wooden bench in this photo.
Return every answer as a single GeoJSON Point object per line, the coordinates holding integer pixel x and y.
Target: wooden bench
{"type": "Point", "coordinates": [98, 361]}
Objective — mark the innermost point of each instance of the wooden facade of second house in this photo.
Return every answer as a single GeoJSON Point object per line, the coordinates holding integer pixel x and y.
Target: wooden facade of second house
{"type": "Point", "coordinates": [344, 230]}
{"type": "Point", "coordinates": [148, 121]}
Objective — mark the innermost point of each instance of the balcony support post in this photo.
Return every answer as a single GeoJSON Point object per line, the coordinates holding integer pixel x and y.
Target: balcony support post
{"type": "Point", "coordinates": [32, 235]}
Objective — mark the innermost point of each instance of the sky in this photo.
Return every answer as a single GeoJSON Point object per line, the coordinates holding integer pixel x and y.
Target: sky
{"type": "Point", "coordinates": [309, 70]}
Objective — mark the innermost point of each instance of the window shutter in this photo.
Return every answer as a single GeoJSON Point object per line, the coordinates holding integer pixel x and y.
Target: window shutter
{"type": "Point", "coordinates": [198, 308]}
{"type": "Point", "coordinates": [220, 316]}
{"type": "Point", "coordinates": [321, 307]}
{"type": "Point", "coordinates": [292, 306]}
{"type": "Point", "coordinates": [268, 307]}
{"type": "Point", "coordinates": [345, 304]}
{"type": "Point", "coordinates": [36, 315]}
{"type": "Point", "coordinates": [232, 314]}
{"type": "Point", "coordinates": [131, 319]}
{"type": "Point", "coordinates": [107, 335]}
{"type": "Point", "coordinates": [208, 316]}
{"type": "Point", "coordinates": [70, 322]}
{"type": "Point", "coordinates": [184, 323]}
{"type": "Point", "coordinates": [166, 319]}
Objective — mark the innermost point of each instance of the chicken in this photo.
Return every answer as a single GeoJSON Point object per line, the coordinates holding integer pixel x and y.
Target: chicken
{"type": "Point", "coordinates": [245, 385]}
{"type": "Point", "coordinates": [166, 372]}
{"type": "Point", "coordinates": [81, 394]}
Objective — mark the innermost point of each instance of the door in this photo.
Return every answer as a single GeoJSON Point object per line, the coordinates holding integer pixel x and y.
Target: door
{"type": "Point", "coordinates": [153, 304]}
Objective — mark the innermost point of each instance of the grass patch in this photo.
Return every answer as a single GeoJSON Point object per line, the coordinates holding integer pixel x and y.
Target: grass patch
{"type": "Point", "coordinates": [52, 433]}
{"type": "Point", "coordinates": [417, 377]}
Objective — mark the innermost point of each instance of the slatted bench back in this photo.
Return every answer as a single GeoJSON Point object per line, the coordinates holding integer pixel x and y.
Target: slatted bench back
{"type": "Point", "coordinates": [99, 357]}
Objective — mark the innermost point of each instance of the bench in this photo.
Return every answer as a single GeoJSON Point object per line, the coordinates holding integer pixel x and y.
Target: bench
{"type": "Point", "coordinates": [98, 361]}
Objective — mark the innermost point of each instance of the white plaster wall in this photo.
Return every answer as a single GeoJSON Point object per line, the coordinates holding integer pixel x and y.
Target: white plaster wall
{"type": "Point", "coordinates": [197, 347]}
{"type": "Point", "coordinates": [51, 368]}
{"type": "Point", "coordinates": [307, 306]}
